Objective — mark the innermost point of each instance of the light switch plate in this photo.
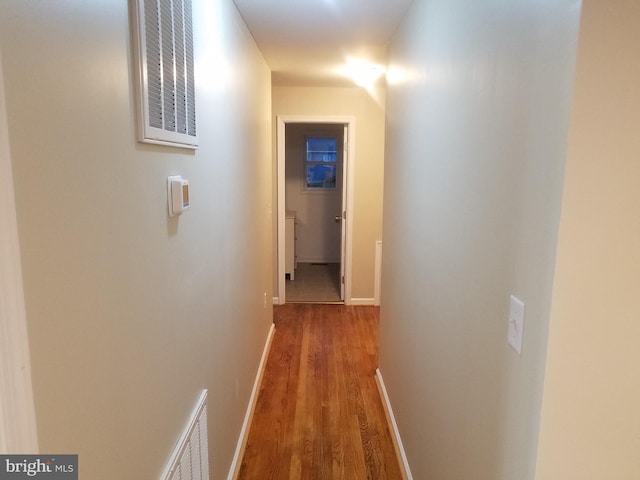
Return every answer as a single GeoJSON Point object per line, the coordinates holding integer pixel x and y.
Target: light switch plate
{"type": "Point", "coordinates": [516, 324]}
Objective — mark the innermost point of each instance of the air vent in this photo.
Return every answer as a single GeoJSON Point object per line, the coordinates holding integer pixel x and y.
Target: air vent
{"type": "Point", "coordinates": [190, 458]}
{"type": "Point", "coordinates": [163, 34]}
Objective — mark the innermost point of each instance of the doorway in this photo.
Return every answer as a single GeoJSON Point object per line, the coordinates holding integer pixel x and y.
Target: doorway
{"type": "Point", "coordinates": [313, 212]}
{"type": "Point", "coordinates": [314, 185]}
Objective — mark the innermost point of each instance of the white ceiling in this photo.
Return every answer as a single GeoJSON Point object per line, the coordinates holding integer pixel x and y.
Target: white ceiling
{"type": "Point", "coordinates": [305, 42]}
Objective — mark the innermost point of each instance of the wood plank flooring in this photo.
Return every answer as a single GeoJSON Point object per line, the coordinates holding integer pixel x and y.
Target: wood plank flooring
{"type": "Point", "coordinates": [319, 413]}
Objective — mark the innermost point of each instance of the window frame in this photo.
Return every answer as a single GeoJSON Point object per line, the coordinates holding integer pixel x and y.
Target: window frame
{"type": "Point", "coordinates": [306, 163]}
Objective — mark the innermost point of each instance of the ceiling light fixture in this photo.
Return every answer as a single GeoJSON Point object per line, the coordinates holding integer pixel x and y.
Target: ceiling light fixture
{"type": "Point", "coordinates": [363, 73]}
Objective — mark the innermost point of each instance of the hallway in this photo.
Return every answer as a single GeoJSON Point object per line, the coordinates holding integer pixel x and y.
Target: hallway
{"type": "Point", "coordinates": [495, 157]}
{"type": "Point", "coordinates": [319, 413]}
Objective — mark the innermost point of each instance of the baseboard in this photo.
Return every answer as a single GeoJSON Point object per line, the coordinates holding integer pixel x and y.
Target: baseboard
{"type": "Point", "coordinates": [362, 301]}
{"type": "Point", "coordinates": [276, 301]}
{"type": "Point", "coordinates": [244, 432]}
{"type": "Point", "coordinates": [397, 441]}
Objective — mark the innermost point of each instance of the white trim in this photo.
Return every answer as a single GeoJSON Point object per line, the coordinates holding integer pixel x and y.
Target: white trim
{"type": "Point", "coordinates": [234, 470]}
{"type": "Point", "coordinates": [280, 209]}
{"type": "Point", "coordinates": [361, 301]}
{"type": "Point", "coordinates": [281, 121]}
{"type": "Point", "coordinates": [142, 40]}
{"type": "Point", "coordinates": [402, 457]}
{"type": "Point", "coordinates": [377, 273]}
{"type": "Point", "coordinates": [350, 170]}
{"type": "Point", "coordinates": [276, 301]}
{"type": "Point", "coordinates": [18, 433]}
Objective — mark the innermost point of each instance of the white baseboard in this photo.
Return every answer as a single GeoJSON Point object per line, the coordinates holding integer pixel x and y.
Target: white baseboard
{"type": "Point", "coordinates": [397, 443]}
{"type": "Point", "coordinates": [244, 432]}
{"type": "Point", "coordinates": [353, 301]}
{"type": "Point", "coordinates": [362, 301]}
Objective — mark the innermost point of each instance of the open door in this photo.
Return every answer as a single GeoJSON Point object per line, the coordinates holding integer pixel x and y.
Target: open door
{"type": "Point", "coordinates": [342, 215]}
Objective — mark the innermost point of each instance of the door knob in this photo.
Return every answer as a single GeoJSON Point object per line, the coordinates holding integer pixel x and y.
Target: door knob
{"type": "Point", "coordinates": [338, 218]}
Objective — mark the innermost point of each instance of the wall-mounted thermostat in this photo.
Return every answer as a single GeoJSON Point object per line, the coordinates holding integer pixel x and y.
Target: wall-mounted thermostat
{"type": "Point", "coordinates": [177, 194]}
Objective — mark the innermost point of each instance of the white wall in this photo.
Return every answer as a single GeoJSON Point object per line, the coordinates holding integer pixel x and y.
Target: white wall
{"type": "Point", "coordinates": [317, 233]}
{"type": "Point", "coordinates": [368, 165]}
{"type": "Point", "coordinates": [477, 114]}
{"type": "Point", "coordinates": [17, 413]}
{"type": "Point", "coordinates": [590, 425]}
{"type": "Point", "coordinates": [130, 313]}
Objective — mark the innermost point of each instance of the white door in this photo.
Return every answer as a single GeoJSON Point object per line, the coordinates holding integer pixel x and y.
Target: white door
{"type": "Point", "coordinates": [342, 215]}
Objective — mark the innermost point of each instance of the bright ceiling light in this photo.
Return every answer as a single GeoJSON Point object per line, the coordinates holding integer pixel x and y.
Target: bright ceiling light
{"type": "Point", "coordinates": [396, 75]}
{"type": "Point", "coordinates": [363, 73]}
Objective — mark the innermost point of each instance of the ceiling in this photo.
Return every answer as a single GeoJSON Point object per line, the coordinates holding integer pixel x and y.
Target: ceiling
{"type": "Point", "coordinates": [307, 42]}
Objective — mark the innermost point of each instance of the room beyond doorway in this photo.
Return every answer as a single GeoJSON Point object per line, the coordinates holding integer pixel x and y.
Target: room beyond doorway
{"type": "Point", "coordinates": [313, 202]}
{"type": "Point", "coordinates": [315, 283]}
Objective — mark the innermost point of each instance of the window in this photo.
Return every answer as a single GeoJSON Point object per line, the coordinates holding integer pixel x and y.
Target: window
{"type": "Point", "coordinates": [321, 163]}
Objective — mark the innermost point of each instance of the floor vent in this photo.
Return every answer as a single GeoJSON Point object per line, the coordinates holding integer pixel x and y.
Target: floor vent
{"type": "Point", "coordinates": [190, 458]}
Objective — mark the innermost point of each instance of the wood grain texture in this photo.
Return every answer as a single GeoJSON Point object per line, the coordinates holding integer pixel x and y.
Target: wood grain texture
{"type": "Point", "coordinates": [319, 413]}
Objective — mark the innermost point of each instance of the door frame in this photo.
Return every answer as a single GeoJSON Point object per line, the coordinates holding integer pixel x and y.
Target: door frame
{"type": "Point", "coordinates": [347, 188]}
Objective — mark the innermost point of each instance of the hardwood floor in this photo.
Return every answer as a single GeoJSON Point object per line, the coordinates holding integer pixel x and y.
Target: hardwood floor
{"type": "Point", "coordinates": [319, 413]}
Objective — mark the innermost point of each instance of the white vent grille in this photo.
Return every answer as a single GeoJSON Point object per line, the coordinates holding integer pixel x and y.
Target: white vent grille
{"type": "Point", "coordinates": [166, 93]}
{"type": "Point", "coordinates": [190, 458]}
